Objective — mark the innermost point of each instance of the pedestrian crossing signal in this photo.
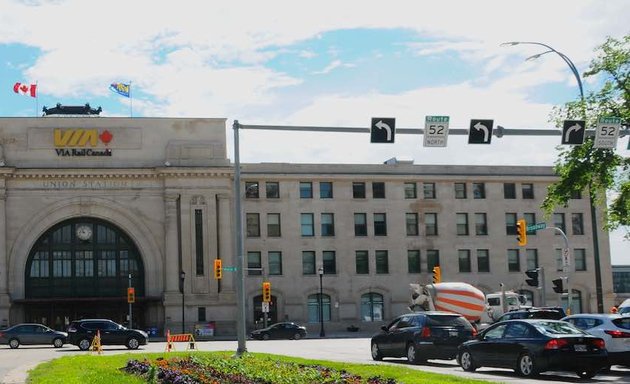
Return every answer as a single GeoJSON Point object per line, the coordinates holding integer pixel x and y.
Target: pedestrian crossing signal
{"type": "Point", "coordinates": [218, 269]}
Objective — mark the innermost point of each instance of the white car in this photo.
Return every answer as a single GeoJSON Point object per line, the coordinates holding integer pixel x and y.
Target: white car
{"type": "Point", "coordinates": [613, 328]}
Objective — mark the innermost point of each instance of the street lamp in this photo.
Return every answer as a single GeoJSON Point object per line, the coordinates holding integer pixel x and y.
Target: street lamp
{"type": "Point", "coordinates": [598, 271]}
{"type": "Point", "coordinates": [182, 277]}
{"type": "Point", "coordinates": [320, 271]}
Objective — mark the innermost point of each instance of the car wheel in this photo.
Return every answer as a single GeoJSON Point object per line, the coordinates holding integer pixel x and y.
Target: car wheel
{"type": "Point", "coordinates": [376, 352]}
{"type": "Point", "coordinates": [133, 343]}
{"type": "Point", "coordinates": [58, 343]}
{"type": "Point", "coordinates": [84, 344]}
{"type": "Point", "coordinates": [525, 365]}
{"type": "Point", "coordinates": [413, 355]}
{"type": "Point", "coordinates": [297, 336]}
{"type": "Point", "coordinates": [14, 343]}
{"type": "Point", "coordinates": [265, 336]}
{"type": "Point", "coordinates": [586, 373]}
{"type": "Point", "coordinates": [466, 361]}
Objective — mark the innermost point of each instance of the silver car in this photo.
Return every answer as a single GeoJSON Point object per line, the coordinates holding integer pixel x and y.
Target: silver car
{"type": "Point", "coordinates": [32, 334]}
{"type": "Point", "coordinates": [613, 328]}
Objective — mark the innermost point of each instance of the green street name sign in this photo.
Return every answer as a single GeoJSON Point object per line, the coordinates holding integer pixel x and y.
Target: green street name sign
{"type": "Point", "coordinates": [229, 269]}
{"type": "Point", "coordinates": [537, 226]}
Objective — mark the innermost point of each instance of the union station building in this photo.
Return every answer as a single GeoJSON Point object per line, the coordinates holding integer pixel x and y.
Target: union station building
{"type": "Point", "coordinates": [90, 206]}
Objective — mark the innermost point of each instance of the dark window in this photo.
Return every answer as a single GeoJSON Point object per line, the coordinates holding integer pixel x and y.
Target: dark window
{"type": "Point", "coordinates": [558, 221]}
{"type": "Point", "coordinates": [413, 261]}
{"type": "Point", "coordinates": [273, 189]}
{"type": "Point", "coordinates": [464, 260]}
{"type": "Point", "coordinates": [510, 223]}
{"type": "Point", "coordinates": [199, 242]}
{"type": "Point", "coordinates": [362, 262]}
{"type": "Point", "coordinates": [382, 262]}
{"type": "Point", "coordinates": [253, 224]}
{"type": "Point", "coordinates": [479, 190]}
{"type": "Point", "coordinates": [579, 255]}
{"type": "Point", "coordinates": [358, 190]}
{"type": "Point", "coordinates": [328, 224]}
{"type": "Point", "coordinates": [330, 262]}
{"type": "Point", "coordinates": [254, 263]}
{"type": "Point", "coordinates": [201, 314]}
{"type": "Point", "coordinates": [360, 224]}
{"type": "Point", "coordinates": [308, 262]}
{"type": "Point", "coordinates": [509, 191]}
{"type": "Point", "coordinates": [307, 225]}
{"type": "Point", "coordinates": [577, 224]}
{"type": "Point", "coordinates": [460, 190]}
{"type": "Point", "coordinates": [528, 191]}
{"type": "Point", "coordinates": [483, 260]}
{"type": "Point", "coordinates": [380, 224]}
{"type": "Point", "coordinates": [429, 190]}
{"type": "Point", "coordinates": [306, 190]}
{"type": "Point", "coordinates": [462, 224]}
{"type": "Point", "coordinates": [433, 259]}
{"type": "Point", "coordinates": [251, 189]}
{"type": "Point", "coordinates": [576, 194]}
{"type": "Point", "coordinates": [430, 224]}
{"type": "Point", "coordinates": [530, 218]}
{"type": "Point", "coordinates": [378, 190]}
{"type": "Point", "coordinates": [273, 225]}
{"type": "Point", "coordinates": [481, 224]}
{"type": "Point", "coordinates": [326, 190]}
{"type": "Point", "coordinates": [411, 224]}
{"type": "Point", "coordinates": [275, 262]}
{"type": "Point", "coordinates": [410, 191]}
{"type": "Point", "coordinates": [531, 256]}
{"type": "Point", "coordinates": [514, 263]}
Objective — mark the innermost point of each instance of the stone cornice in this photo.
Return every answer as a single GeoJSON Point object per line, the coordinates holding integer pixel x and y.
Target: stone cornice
{"type": "Point", "coordinates": [81, 173]}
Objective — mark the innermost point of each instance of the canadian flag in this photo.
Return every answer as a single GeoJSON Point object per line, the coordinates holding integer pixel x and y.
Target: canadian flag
{"type": "Point", "coordinates": [25, 89]}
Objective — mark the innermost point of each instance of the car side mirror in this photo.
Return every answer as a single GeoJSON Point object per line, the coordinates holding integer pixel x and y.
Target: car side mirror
{"type": "Point", "coordinates": [384, 328]}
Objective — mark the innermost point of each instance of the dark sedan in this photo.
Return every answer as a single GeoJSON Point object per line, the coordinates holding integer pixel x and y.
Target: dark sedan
{"type": "Point", "coordinates": [421, 336]}
{"type": "Point", "coordinates": [32, 334]}
{"type": "Point", "coordinates": [531, 346]}
{"type": "Point", "coordinates": [81, 333]}
{"type": "Point", "coordinates": [285, 330]}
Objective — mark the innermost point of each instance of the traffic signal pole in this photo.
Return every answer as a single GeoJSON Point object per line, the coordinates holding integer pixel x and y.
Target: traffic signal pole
{"type": "Point", "coordinates": [566, 252]}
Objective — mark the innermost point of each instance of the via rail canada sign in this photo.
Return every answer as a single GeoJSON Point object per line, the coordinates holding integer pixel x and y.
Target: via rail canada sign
{"type": "Point", "coordinates": [81, 142]}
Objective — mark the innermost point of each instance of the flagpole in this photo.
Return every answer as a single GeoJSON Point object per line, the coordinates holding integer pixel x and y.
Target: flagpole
{"type": "Point", "coordinates": [130, 101]}
{"type": "Point", "coordinates": [36, 98]}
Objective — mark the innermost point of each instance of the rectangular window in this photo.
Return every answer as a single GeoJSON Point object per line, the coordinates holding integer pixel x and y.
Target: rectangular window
{"type": "Point", "coordinates": [199, 242]}
{"type": "Point", "coordinates": [462, 223]}
{"type": "Point", "coordinates": [576, 195]}
{"type": "Point", "coordinates": [579, 256]}
{"type": "Point", "coordinates": [201, 314]}
{"type": "Point", "coordinates": [514, 264]}
{"type": "Point", "coordinates": [510, 223]}
{"type": "Point", "coordinates": [306, 190]}
{"type": "Point", "coordinates": [509, 191]}
{"type": "Point", "coordinates": [481, 224]}
{"type": "Point", "coordinates": [360, 224]}
{"type": "Point", "coordinates": [378, 190]}
{"type": "Point", "coordinates": [83, 265]}
{"type": "Point", "coordinates": [479, 190]}
{"type": "Point", "coordinates": [106, 263]}
{"type": "Point", "coordinates": [308, 262]}
{"type": "Point", "coordinates": [362, 262]}
{"type": "Point", "coordinates": [358, 190]}
{"type": "Point", "coordinates": [380, 224]}
{"type": "Point", "coordinates": [326, 190]}
{"type": "Point", "coordinates": [527, 190]}
{"type": "Point", "coordinates": [430, 224]}
{"type": "Point", "coordinates": [253, 224]}
{"type": "Point", "coordinates": [254, 261]}
{"type": "Point", "coordinates": [530, 218]}
{"type": "Point", "coordinates": [328, 224]}
{"type": "Point", "coordinates": [306, 222]}
{"type": "Point", "coordinates": [433, 259]}
{"type": "Point", "coordinates": [273, 225]}
{"type": "Point", "coordinates": [531, 258]}
{"type": "Point", "coordinates": [330, 262]}
{"type": "Point", "coordinates": [464, 260]}
{"type": "Point", "coordinates": [411, 221]}
{"type": "Point", "coordinates": [558, 221]}
{"type": "Point", "coordinates": [460, 190]}
{"type": "Point", "coordinates": [273, 189]}
{"type": "Point", "coordinates": [483, 260]}
{"type": "Point", "coordinates": [410, 191]}
{"type": "Point", "coordinates": [382, 262]}
{"type": "Point", "coordinates": [275, 262]}
{"type": "Point", "coordinates": [251, 189]}
{"type": "Point", "coordinates": [559, 259]}
{"type": "Point", "coordinates": [428, 190]}
{"type": "Point", "coordinates": [413, 261]}
{"type": "Point", "coordinates": [577, 224]}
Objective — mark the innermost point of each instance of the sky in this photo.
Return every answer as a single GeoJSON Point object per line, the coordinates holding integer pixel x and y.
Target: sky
{"type": "Point", "coordinates": [324, 63]}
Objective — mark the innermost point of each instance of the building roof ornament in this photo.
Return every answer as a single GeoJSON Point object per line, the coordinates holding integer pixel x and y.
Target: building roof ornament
{"type": "Point", "coordinates": [77, 110]}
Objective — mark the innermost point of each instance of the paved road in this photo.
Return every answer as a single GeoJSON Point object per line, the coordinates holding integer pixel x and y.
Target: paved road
{"type": "Point", "coordinates": [14, 364]}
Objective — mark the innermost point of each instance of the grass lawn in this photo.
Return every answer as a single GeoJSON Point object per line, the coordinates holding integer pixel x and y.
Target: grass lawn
{"type": "Point", "coordinates": [106, 369]}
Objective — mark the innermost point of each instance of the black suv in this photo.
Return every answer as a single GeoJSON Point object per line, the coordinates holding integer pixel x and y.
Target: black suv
{"type": "Point", "coordinates": [81, 333]}
{"type": "Point", "coordinates": [549, 313]}
{"type": "Point", "coordinates": [421, 336]}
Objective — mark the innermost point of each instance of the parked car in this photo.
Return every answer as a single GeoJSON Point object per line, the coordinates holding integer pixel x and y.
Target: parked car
{"type": "Point", "coordinates": [531, 346]}
{"type": "Point", "coordinates": [421, 336]}
{"type": "Point", "coordinates": [82, 332]}
{"type": "Point", "coordinates": [614, 329]}
{"type": "Point", "coordinates": [31, 334]}
{"type": "Point", "coordinates": [284, 330]}
{"type": "Point", "coordinates": [551, 313]}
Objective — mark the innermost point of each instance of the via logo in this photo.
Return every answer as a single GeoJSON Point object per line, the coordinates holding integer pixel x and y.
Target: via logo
{"type": "Point", "coordinates": [80, 137]}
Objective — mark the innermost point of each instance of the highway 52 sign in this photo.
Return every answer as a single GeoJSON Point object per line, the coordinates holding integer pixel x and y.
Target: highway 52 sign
{"type": "Point", "coordinates": [573, 132]}
{"type": "Point", "coordinates": [383, 130]}
{"type": "Point", "coordinates": [607, 132]}
{"type": "Point", "coordinates": [480, 131]}
{"type": "Point", "coordinates": [435, 131]}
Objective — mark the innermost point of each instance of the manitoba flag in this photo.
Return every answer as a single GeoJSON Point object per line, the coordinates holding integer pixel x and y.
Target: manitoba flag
{"type": "Point", "coordinates": [25, 89]}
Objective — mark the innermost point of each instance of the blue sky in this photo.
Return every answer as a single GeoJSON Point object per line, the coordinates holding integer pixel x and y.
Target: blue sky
{"type": "Point", "coordinates": [324, 63]}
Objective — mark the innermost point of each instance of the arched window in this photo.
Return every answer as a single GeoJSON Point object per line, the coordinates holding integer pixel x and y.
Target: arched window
{"type": "Point", "coordinates": [529, 295]}
{"type": "Point", "coordinates": [372, 307]}
{"type": "Point", "coordinates": [576, 302]}
{"type": "Point", "coordinates": [313, 308]}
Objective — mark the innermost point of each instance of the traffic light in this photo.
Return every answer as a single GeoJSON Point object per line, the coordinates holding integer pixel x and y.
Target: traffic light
{"type": "Point", "coordinates": [218, 269]}
{"type": "Point", "coordinates": [266, 291]}
{"type": "Point", "coordinates": [521, 232]}
{"type": "Point", "coordinates": [533, 277]}
{"type": "Point", "coordinates": [557, 285]}
{"type": "Point", "coordinates": [437, 275]}
{"type": "Point", "coordinates": [131, 295]}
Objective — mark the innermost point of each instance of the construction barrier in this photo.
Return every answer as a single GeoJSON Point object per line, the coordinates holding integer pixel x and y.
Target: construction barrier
{"type": "Point", "coordinates": [96, 346]}
{"type": "Point", "coordinates": [181, 338]}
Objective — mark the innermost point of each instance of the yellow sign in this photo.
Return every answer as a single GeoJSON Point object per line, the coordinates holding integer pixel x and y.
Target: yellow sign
{"type": "Point", "coordinates": [75, 137]}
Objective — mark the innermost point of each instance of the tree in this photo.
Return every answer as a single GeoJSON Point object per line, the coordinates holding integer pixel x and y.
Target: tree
{"type": "Point", "coordinates": [597, 170]}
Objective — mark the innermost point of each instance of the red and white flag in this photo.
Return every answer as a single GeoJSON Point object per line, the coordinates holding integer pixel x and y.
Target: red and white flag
{"type": "Point", "coordinates": [25, 89]}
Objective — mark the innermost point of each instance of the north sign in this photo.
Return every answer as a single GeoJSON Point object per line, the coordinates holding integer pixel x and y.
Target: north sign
{"type": "Point", "coordinates": [435, 131]}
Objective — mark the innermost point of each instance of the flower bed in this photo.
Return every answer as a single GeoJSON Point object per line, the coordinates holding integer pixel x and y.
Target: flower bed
{"type": "Point", "coordinates": [244, 370]}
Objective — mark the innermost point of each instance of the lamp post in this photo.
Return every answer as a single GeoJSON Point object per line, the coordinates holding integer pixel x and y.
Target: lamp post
{"type": "Point", "coordinates": [182, 277]}
{"type": "Point", "coordinates": [598, 271]}
{"type": "Point", "coordinates": [320, 271]}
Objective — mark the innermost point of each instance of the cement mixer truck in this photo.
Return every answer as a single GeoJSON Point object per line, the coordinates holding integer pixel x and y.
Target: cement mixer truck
{"type": "Point", "coordinates": [465, 299]}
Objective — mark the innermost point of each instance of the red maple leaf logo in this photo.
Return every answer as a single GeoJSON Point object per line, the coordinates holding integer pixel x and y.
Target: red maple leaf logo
{"type": "Point", "coordinates": [106, 137]}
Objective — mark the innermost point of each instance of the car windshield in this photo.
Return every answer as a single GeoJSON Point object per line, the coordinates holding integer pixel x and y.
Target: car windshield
{"type": "Point", "coordinates": [625, 310]}
{"type": "Point", "coordinates": [447, 320]}
{"type": "Point", "coordinates": [558, 328]}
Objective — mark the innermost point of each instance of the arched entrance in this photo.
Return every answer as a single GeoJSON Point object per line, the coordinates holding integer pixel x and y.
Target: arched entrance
{"type": "Point", "coordinates": [80, 268]}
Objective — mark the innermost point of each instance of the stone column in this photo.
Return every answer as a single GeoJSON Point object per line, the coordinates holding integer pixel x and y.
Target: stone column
{"type": "Point", "coordinates": [171, 252]}
{"type": "Point", "coordinates": [5, 302]}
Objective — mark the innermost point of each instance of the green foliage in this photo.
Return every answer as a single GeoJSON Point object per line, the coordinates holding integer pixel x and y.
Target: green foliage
{"type": "Point", "coordinates": [597, 170]}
